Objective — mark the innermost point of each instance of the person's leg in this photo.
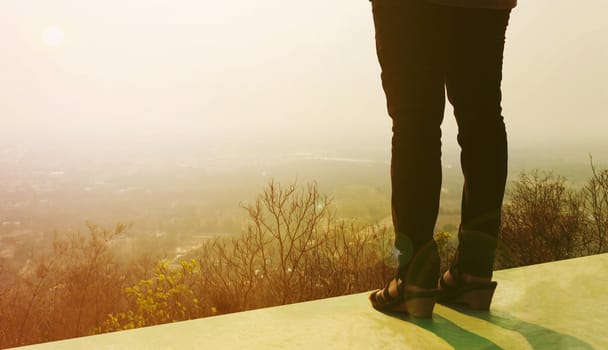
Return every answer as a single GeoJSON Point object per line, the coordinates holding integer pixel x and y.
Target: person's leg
{"type": "Point", "coordinates": [473, 80]}
{"type": "Point", "coordinates": [410, 48]}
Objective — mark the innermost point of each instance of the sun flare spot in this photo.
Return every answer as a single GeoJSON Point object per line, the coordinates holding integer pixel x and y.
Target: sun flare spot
{"type": "Point", "coordinates": [53, 36]}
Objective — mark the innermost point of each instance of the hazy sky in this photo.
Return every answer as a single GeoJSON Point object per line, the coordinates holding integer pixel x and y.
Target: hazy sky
{"type": "Point", "coordinates": [276, 73]}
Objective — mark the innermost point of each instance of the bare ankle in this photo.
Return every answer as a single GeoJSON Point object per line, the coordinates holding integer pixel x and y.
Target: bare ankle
{"type": "Point", "coordinates": [448, 278]}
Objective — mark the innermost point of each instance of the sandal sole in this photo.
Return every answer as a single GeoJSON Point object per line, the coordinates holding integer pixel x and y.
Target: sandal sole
{"type": "Point", "coordinates": [419, 307]}
{"type": "Point", "coordinates": [476, 299]}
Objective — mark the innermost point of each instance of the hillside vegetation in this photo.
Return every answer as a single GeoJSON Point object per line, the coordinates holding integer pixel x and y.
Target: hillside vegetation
{"type": "Point", "coordinates": [294, 247]}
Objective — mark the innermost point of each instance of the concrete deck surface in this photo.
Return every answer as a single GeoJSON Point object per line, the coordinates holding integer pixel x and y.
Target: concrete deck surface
{"type": "Point", "coordinates": [559, 305]}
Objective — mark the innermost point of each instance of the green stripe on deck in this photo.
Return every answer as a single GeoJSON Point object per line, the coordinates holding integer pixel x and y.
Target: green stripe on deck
{"type": "Point", "coordinates": [559, 305]}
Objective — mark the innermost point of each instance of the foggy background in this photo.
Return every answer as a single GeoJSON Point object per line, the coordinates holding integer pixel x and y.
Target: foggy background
{"type": "Point", "coordinates": [202, 77]}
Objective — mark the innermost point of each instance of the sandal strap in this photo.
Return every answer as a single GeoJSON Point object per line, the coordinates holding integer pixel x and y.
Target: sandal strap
{"type": "Point", "coordinates": [382, 297]}
{"type": "Point", "coordinates": [460, 287]}
{"type": "Point", "coordinates": [386, 295]}
{"type": "Point", "coordinates": [403, 293]}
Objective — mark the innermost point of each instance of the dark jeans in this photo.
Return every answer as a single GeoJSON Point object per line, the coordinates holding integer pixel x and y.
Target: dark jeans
{"type": "Point", "coordinates": [424, 50]}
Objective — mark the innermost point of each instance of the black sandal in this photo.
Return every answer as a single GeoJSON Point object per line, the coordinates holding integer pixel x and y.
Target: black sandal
{"type": "Point", "coordinates": [476, 295]}
{"type": "Point", "coordinates": [416, 303]}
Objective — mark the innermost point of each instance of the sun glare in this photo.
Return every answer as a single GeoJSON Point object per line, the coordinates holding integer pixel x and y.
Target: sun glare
{"type": "Point", "coordinates": [53, 36]}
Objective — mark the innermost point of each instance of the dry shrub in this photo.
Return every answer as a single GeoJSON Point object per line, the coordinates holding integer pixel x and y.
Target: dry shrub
{"type": "Point", "coordinates": [545, 220]}
{"type": "Point", "coordinates": [294, 249]}
{"type": "Point", "coordinates": [595, 194]}
{"type": "Point", "coordinates": [63, 294]}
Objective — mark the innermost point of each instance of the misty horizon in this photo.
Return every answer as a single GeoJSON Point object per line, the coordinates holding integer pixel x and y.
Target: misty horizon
{"type": "Point", "coordinates": [214, 78]}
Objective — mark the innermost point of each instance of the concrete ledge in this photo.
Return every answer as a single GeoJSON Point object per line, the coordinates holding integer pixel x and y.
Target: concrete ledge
{"type": "Point", "coordinates": [560, 305]}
